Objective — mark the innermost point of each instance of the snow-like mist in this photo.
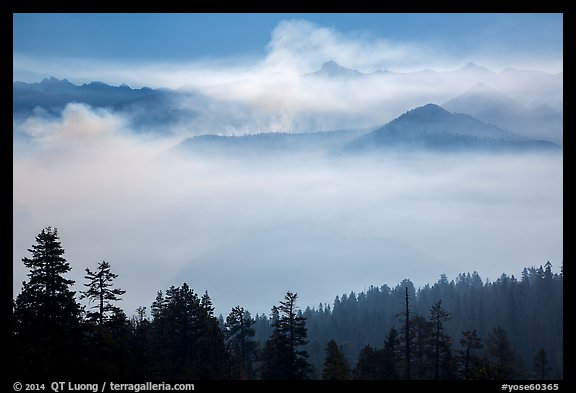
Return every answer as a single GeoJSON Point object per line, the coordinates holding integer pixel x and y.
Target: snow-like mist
{"type": "Point", "coordinates": [248, 231]}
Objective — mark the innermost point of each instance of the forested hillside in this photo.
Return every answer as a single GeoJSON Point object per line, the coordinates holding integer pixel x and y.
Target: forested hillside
{"type": "Point", "coordinates": [465, 328]}
{"type": "Point", "coordinates": [529, 309]}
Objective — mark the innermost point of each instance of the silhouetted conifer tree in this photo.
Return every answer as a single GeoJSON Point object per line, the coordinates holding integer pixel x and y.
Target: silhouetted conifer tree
{"type": "Point", "coordinates": [239, 332]}
{"type": "Point", "coordinates": [335, 364]}
{"type": "Point", "coordinates": [501, 355]}
{"type": "Point", "coordinates": [46, 314]}
{"type": "Point", "coordinates": [282, 358]}
{"type": "Point", "coordinates": [100, 292]}
{"type": "Point", "coordinates": [467, 360]}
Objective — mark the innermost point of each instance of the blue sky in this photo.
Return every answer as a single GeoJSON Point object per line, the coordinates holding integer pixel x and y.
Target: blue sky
{"type": "Point", "coordinates": [497, 40]}
{"type": "Point", "coordinates": [180, 36]}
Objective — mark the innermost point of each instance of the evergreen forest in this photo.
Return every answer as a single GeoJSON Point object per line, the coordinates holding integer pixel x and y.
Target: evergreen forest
{"type": "Point", "coordinates": [466, 328]}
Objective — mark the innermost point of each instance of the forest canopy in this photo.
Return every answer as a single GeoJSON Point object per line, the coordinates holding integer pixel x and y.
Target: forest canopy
{"type": "Point", "coordinates": [465, 328]}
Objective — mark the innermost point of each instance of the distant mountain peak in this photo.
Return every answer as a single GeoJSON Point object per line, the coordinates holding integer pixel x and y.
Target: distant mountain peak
{"type": "Point", "coordinates": [493, 106]}
{"type": "Point", "coordinates": [49, 80]}
{"type": "Point", "coordinates": [333, 69]}
{"type": "Point", "coordinates": [430, 107]}
{"type": "Point", "coordinates": [431, 127]}
{"type": "Point", "coordinates": [484, 101]}
{"type": "Point", "coordinates": [473, 67]}
{"type": "Point", "coordinates": [425, 112]}
{"type": "Point", "coordinates": [329, 65]}
{"type": "Point", "coordinates": [54, 81]}
{"type": "Point", "coordinates": [96, 84]}
{"type": "Point", "coordinates": [27, 96]}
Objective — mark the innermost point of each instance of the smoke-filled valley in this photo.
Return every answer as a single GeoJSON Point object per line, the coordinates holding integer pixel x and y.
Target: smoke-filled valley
{"type": "Point", "coordinates": [315, 169]}
{"type": "Point", "coordinates": [241, 216]}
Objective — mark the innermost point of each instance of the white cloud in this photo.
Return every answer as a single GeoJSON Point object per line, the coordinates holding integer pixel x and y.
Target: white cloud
{"type": "Point", "coordinates": [271, 94]}
{"type": "Point", "coordinates": [247, 232]}
{"type": "Point", "coordinates": [301, 46]}
{"type": "Point", "coordinates": [78, 124]}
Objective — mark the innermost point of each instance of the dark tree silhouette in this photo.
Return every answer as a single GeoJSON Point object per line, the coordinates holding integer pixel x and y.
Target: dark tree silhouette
{"type": "Point", "coordinates": [336, 366]}
{"type": "Point", "coordinates": [239, 332]}
{"type": "Point", "coordinates": [501, 355]}
{"type": "Point", "coordinates": [212, 358]}
{"type": "Point", "coordinates": [141, 351]}
{"type": "Point", "coordinates": [282, 359]}
{"type": "Point", "coordinates": [469, 342]}
{"type": "Point", "coordinates": [100, 292]}
{"type": "Point", "coordinates": [46, 315]}
{"type": "Point", "coordinates": [541, 369]}
{"type": "Point", "coordinates": [442, 342]}
{"type": "Point", "coordinates": [185, 341]}
{"type": "Point", "coordinates": [407, 358]}
{"type": "Point", "coordinates": [368, 365]}
{"type": "Point", "coordinates": [188, 341]}
{"type": "Point", "coordinates": [474, 303]}
{"type": "Point", "coordinates": [391, 353]}
{"type": "Point", "coordinates": [47, 297]}
{"type": "Point", "coordinates": [422, 347]}
{"type": "Point", "coordinates": [108, 329]}
{"type": "Point", "coordinates": [175, 322]}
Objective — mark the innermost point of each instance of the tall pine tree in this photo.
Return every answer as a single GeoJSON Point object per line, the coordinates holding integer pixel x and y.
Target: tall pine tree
{"type": "Point", "coordinates": [108, 327]}
{"type": "Point", "coordinates": [368, 364]}
{"type": "Point", "coordinates": [335, 364]}
{"type": "Point", "coordinates": [187, 339]}
{"type": "Point", "coordinates": [541, 369]}
{"type": "Point", "coordinates": [282, 358]}
{"type": "Point", "coordinates": [239, 332]}
{"type": "Point", "coordinates": [100, 292]}
{"type": "Point", "coordinates": [391, 354]}
{"type": "Point", "coordinates": [46, 314]}
{"type": "Point", "coordinates": [468, 361]}
{"type": "Point", "coordinates": [501, 355]}
{"type": "Point", "coordinates": [441, 342]}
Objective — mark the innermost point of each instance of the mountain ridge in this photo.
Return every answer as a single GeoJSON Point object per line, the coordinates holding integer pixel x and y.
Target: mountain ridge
{"type": "Point", "coordinates": [429, 127]}
{"type": "Point", "coordinates": [532, 107]}
{"type": "Point", "coordinates": [53, 94]}
{"type": "Point", "coordinates": [495, 107]}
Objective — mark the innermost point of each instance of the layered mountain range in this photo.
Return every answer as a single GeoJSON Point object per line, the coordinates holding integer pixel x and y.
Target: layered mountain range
{"type": "Point", "coordinates": [494, 107]}
{"type": "Point", "coordinates": [481, 115]}
{"type": "Point", "coordinates": [429, 128]}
